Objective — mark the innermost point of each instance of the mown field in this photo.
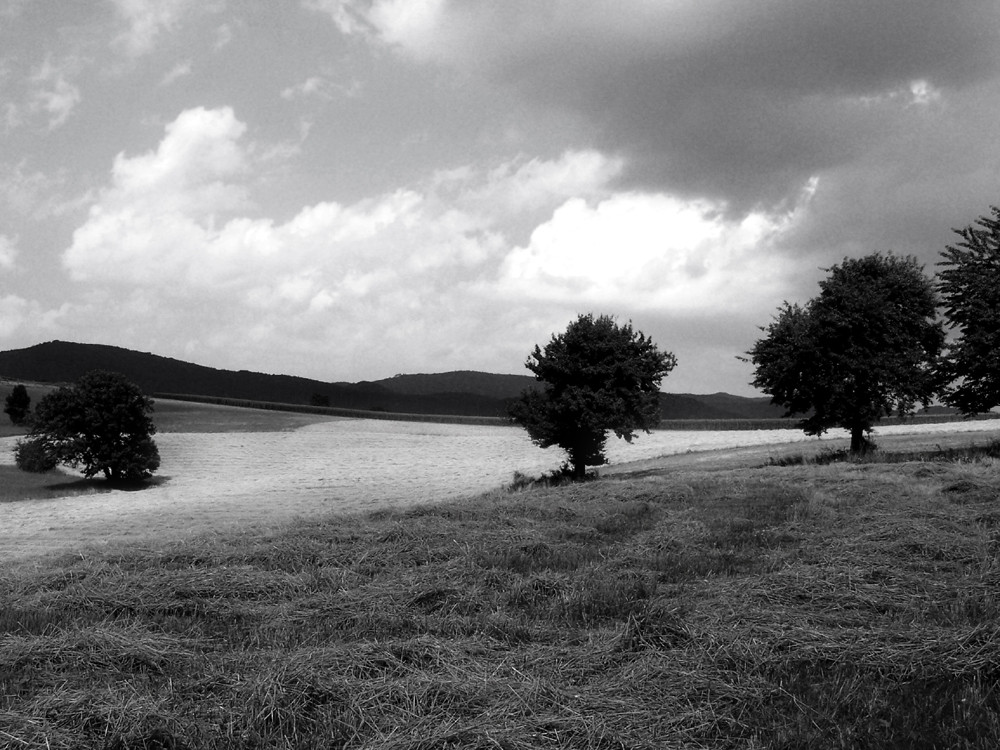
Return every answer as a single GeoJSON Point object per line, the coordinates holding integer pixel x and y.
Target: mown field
{"type": "Point", "coordinates": [798, 606]}
{"type": "Point", "coordinates": [170, 416]}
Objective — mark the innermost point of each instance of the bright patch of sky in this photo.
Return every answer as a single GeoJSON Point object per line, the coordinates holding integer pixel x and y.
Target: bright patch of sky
{"type": "Point", "coordinates": [348, 189]}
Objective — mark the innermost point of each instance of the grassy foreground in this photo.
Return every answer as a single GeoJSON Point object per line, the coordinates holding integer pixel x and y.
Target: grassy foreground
{"type": "Point", "coordinates": [803, 606]}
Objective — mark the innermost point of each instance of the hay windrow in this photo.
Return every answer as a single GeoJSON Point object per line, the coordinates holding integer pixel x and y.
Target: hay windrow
{"type": "Point", "coordinates": [101, 647]}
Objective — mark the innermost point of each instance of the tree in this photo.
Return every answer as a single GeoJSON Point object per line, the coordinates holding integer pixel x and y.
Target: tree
{"type": "Point", "coordinates": [100, 424]}
{"type": "Point", "coordinates": [18, 404]}
{"type": "Point", "coordinates": [970, 289]}
{"type": "Point", "coordinates": [597, 376]}
{"type": "Point", "coordinates": [866, 347]}
{"type": "Point", "coordinates": [319, 399]}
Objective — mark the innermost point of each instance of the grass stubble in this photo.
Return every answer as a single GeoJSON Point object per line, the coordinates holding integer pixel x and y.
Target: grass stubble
{"type": "Point", "coordinates": [816, 605]}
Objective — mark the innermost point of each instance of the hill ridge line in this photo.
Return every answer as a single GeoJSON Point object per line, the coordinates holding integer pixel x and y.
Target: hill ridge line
{"type": "Point", "coordinates": [465, 393]}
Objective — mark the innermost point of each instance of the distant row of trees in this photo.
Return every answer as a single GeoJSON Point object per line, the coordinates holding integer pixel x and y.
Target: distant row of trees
{"type": "Point", "coordinates": [871, 344]}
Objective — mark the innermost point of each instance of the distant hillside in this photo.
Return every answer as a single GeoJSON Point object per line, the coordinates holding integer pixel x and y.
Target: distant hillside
{"type": "Point", "coordinates": [689, 406]}
{"type": "Point", "coordinates": [746, 408]}
{"type": "Point", "coordinates": [460, 381]}
{"type": "Point", "coordinates": [673, 405]}
{"type": "Point", "coordinates": [60, 361]}
{"type": "Point", "coordinates": [451, 393]}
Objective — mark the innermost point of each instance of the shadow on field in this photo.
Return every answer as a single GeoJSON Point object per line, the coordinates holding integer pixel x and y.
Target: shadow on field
{"type": "Point", "coordinates": [101, 485]}
{"type": "Point", "coordinates": [17, 485]}
{"type": "Point", "coordinates": [77, 486]}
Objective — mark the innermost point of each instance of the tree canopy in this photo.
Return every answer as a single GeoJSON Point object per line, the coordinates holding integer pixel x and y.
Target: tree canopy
{"type": "Point", "coordinates": [865, 347]}
{"type": "Point", "coordinates": [17, 405]}
{"type": "Point", "coordinates": [596, 377]}
{"type": "Point", "coordinates": [969, 283]}
{"type": "Point", "coordinates": [100, 424]}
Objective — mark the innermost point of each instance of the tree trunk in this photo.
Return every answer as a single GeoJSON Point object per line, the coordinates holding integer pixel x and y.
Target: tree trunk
{"type": "Point", "coordinates": [859, 444]}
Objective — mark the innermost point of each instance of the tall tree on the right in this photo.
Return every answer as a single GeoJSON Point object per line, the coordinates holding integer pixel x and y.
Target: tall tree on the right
{"type": "Point", "coordinates": [866, 347]}
{"type": "Point", "coordinates": [969, 285]}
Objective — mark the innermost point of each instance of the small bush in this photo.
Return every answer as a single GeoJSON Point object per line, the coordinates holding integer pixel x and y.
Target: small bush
{"type": "Point", "coordinates": [32, 455]}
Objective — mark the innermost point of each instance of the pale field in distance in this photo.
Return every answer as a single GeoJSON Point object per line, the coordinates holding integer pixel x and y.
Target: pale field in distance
{"type": "Point", "coordinates": [213, 481]}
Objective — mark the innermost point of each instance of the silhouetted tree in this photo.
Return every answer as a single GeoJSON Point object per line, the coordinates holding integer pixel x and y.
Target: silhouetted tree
{"type": "Point", "coordinates": [319, 399]}
{"type": "Point", "coordinates": [866, 347]}
{"type": "Point", "coordinates": [597, 376]}
{"type": "Point", "coordinates": [18, 404]}
{"type": "Point", "coordinates": [99, 424]}
{"type": "Point", "coordinates": [970, 289]}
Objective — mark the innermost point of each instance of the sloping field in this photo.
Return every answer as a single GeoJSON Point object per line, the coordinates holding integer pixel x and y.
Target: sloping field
{"type": "Point", "coordinates": [807, 606]}
{"type": "Point", "coordinates": [216, 480]}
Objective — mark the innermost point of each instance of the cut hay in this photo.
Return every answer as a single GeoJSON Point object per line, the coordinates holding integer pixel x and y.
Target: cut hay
{"type": "Point", "coordinates": [789, 607]}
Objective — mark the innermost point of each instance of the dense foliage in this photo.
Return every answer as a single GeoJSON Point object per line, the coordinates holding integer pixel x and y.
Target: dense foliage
{"type": "Point", "coordinates": [33, 455]}
{"type": "Point", "coordinates": [597, 376]}
{"type": "Point", "coordinates": [17, 405]}
{"type": "Point", "coordinates": [101, 424]}
{"type": "Point", "coordinates": [970, 288]}
{"type": "Point", "coordinates": [866, 347]}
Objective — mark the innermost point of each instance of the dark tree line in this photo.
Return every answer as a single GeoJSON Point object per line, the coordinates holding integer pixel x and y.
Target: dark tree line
{"type": "Point", "coordinates": [866, 347]}
{"type": "Point", "coordinates": [871, 344]}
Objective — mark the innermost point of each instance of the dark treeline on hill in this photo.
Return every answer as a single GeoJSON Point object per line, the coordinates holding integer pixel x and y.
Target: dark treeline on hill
{"type": "Point", "coordinates": [463, 393]}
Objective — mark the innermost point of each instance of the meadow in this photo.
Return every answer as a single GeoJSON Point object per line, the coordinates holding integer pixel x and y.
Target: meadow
{"type": "Point", "coordinates": [226, 469]}
{"type": "Point", "coordinates": [682, 603]}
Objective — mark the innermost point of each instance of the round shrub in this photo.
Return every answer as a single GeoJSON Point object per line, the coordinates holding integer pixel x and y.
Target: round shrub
{"type": "Point", "coordinates": [32, 455]}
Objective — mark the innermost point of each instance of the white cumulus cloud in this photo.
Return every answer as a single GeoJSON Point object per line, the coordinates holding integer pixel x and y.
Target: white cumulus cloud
{"type": "Point", "coordinates": [426, 271]}
{"type": "Point", "coordinates": [649, 251]}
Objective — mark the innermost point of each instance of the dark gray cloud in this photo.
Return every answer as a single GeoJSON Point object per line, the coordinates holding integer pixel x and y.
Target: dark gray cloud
{"type": "Point", "coordinates": [465, 176]}
{"type": "Point", "coordinates": [937, 170]}
{"type": "Point", "coordinates": [726, 98]}
{"type": "Point", "coordinates": [871, 122]}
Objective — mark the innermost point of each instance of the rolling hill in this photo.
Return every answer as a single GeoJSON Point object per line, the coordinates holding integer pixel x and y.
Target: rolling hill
{"type": "Point", "coordinates": [461, 392]}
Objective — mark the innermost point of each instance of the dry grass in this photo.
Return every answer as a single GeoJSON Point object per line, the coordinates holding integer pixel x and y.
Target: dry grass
{"type": "Point", "coordinates": [958, 451]}
{"type": "Point", "coordinates": [189, 416]}
{"type": "Point", "coordinates": [784, 607]}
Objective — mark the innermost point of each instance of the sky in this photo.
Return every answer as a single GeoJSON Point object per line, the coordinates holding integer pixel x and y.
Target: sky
{"type": "Point", "coordinates": [351, 189]}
